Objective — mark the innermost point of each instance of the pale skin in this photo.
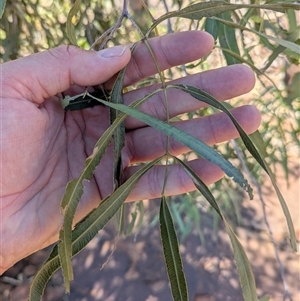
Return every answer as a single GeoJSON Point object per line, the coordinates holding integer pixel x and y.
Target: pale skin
{"type": "Point", "coordinates": [43, 147]}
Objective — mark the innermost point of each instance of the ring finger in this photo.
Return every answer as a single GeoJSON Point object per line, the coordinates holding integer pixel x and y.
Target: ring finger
{"type": "Point", "coordinates": [146, 143]}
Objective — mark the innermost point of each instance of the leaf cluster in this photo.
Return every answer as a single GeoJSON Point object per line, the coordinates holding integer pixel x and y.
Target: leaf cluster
{"type": "Point", "coordinates": [81, 27]}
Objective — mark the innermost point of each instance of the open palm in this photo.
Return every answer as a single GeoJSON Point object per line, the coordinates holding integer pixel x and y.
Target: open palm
{"type": "Point", "coordinates": [43, 147]}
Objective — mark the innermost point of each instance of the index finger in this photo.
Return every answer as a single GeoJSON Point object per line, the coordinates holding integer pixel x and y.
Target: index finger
{"type": "Point", "coordinates": [170, 50]}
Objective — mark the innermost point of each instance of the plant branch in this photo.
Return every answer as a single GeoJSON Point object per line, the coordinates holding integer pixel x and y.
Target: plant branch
{"type": "Point", "coordinates": [108, 34]}
{"type": "Point", "coordinates": [168, 20]}
{"type": "Point", "coordinates": [163, 82]}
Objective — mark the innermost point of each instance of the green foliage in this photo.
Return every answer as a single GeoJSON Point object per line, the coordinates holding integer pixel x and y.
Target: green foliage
{"type": "Point", "coordinates": [171, 253]}
{"type": "Point", "coordinates": [245, 272]}
{"type": "Point", "coordinates": [34, 25]}
{"type": "Point", "coordinates": [85, 231]}
{"type": "Point", "coordinates": [188, 140]}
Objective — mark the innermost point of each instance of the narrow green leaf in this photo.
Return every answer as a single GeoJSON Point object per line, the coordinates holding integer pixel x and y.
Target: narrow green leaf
{"type": "Point", "coordinates": [70, 30]}
{"type": "Point", "coordinates": [227, 40]}
{"type": "Point", "coordinates": [86, 230]}
{"type": "Point", "coordinates": [188, 140]}
{"type": "Point", "coordinates": [2, 7]}
{"type": "Point", "coordinates": [212, 8]}
{"type": "Point", "coordinates": [242, 60]}
{"type": "Point", "coordinates": [197, 11]}
{"type": "Point", "coordinates": [212, 27]}
{"type": "Point", "coordinates": [207, 98]}
{"type": "Point", "coordinates": [246, 276]}
{"type": "Point", "coordinates": [71, 198]}
{"type": "Point", "coordinates": [171, 253]}
{"type": "Point", "coordinates": [98, 218]}
{"type": "Point", "coordinates": [279, 49]}
{"type": "Point", "coordinates": [74, 192]}
{"type": "Point", "coordinates": [121, 219]}
{"type": "Point", "coordinates": [287, 44]}
{"type": "Point", "coordinates": [292, 19]}
{"type": "Point", "coordinates": [65, 255]}
{"type": "Point", "coordinates": [285, 211]}
{"type": "Point", "coordinates": [119, 135]}
{"type": "Point", "coordinates": [43, 276]}
{"type": "Point", "coordinates": [258, 141]}
{"type": "Point", "coordinates": [210, 100]}
{"type": "Point", "coordinates": [200, 185]}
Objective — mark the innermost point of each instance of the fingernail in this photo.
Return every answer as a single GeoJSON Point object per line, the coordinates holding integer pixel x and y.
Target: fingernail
{"type": "Point", "coordinates": [116, 51]}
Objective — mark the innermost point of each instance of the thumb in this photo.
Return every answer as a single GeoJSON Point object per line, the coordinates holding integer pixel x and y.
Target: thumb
{"type": "Point", "coordinates": [42, 75]}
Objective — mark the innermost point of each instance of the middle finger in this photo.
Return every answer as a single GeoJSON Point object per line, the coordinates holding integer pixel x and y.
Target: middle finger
{"type": "Point", "coordinates": [223, 83]}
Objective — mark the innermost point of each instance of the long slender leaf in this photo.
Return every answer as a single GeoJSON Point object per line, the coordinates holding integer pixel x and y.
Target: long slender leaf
{"type": "Point", "coordinates": [292, 19]}
{"type": "Point", "coordinates": [86, 230]}
{"type": "Point", "coordinates": [121, 219]}
{"type": "Point", "coordinates": [188, 140]}
{"type": "Point", "coordinates": [74, 192]}
{"type": "Point", "coordinates": [210, 100]}
{"type": "Point", "coordinates": [205, 97]}
{"type": "Point", "coordinates": [172, 254]}
{"type": "Point", "coordinates": [246, 276]}
{"type": "Point", "coordinates": [227, 40]}
{"type": "Point", "coordinates": [260, 144]}
{"type": "Point", "coordinates": [108, 208]}
{"type": "Point", "coordinates": [119, 135]}
{"type": "Point", "coordinates": [200, 185]}
{"type": "Point", "coordinates": [69, 25]}
{"type": "Point", "coordinates": [208, 9]}
{"type": "Point", "coordinates": [287, 44]}
{"type": "Point", "coordinates": [72, 196]}
{"type": "Point", "coordinates": [212, 27]}
{"type": "Point", "coordinates": [242, 60]}
{"type": "Point", "coordinates": [197, 11]}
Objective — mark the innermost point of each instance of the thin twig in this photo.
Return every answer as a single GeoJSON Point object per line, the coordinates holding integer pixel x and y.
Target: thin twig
{"type": "Point", "coordinates": [147, 10]}
{"type": "Point", "coordinates": [168, 21]}
{"type": "Point", "coordinates": [108, 34]}
{"type": "Point", "coordinates": [163, 83]}
{"type": "Point", "coordinates": [287, 293]}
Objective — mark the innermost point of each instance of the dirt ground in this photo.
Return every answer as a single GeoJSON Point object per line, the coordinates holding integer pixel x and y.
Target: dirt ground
{"type": "Point", "coordinates": [136, 271]}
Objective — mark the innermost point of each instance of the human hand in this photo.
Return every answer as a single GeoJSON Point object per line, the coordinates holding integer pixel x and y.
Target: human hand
{"type": "Point", "coordinates": [43, 147]}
